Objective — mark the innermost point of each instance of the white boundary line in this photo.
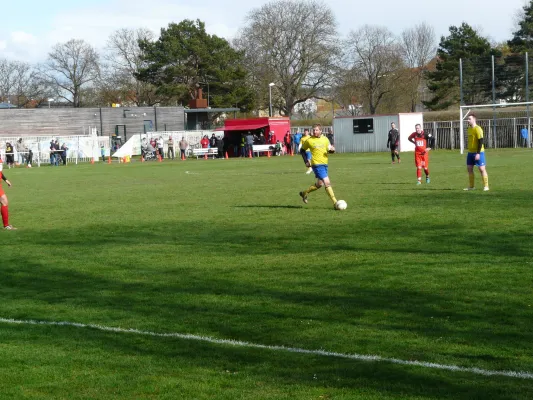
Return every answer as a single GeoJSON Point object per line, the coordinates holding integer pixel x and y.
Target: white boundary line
{"type": "Point", "coordinates": [238, 343]}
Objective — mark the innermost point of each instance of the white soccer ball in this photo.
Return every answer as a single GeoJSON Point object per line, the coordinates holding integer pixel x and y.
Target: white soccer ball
{"type": "Point", "coordinates": [341, 205]}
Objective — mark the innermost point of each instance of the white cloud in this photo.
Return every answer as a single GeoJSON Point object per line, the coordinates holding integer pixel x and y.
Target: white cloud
{"type": "Point", "coordinates": [20, 37]}
{"type": "Point", "coordinates": [3, 44]}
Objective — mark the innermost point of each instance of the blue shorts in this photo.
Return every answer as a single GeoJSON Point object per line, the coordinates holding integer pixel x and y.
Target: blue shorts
{"type": "Point", "coordinates": [308, 155]}
{"type": "Point", "coordinates": [320, 170]}
{"type": "Point", "coordinates": [471, 159]}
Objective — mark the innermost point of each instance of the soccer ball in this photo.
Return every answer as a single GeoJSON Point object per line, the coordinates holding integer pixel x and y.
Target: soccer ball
{"type": "Point", "coordinates": [341, 205]}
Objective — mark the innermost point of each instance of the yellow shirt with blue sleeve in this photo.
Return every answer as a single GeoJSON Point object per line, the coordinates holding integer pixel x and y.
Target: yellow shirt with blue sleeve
{"type": "Point", "coordinates": [319, 149]}
{"type": "Point", "coordinates": [474, 134]}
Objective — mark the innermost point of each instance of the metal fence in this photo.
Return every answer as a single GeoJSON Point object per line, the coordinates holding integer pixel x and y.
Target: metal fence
{"type": "Point", "coordinates": [498, 133]}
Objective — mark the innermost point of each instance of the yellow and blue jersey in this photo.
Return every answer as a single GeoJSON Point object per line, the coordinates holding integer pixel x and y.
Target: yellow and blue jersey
{"type": "Point", "coordinates": [304, 139]}
{"type": "Point", "coordinates": [319, 149]}
{"type": "Point", "coordinates": [474, 134]}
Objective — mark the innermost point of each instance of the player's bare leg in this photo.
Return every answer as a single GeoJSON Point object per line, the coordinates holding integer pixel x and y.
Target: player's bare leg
{"type": "Point", "coordinates": [484, 178]}
{"type": "Point", "coordinates": [470, 169]}
{"type": "Point", "coordinates": [329, 190]}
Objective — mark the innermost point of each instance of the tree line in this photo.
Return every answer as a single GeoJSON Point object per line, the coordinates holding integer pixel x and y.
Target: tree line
{"type": "Point", "coordinates": [293, 44]}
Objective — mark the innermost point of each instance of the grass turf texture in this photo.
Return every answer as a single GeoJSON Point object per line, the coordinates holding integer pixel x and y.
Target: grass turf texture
{"type": "Point", "coordinates": [226, 249]}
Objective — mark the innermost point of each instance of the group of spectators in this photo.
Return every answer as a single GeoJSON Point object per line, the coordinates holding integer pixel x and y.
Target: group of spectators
{"type": "Point", "coordinates": [58, 154]}
{"type": "Point", "coordinates": [291, 141]}
{"type": "Point", "coordinates": [155, 147]}
{"type": "Point", "coordinates": [214, 142]}
{"type": "Point", "coordinates": [24, 154]}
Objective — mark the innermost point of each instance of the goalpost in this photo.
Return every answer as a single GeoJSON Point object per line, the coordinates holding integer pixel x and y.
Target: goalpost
{"type": "Point", "coordinates": [504, 128]}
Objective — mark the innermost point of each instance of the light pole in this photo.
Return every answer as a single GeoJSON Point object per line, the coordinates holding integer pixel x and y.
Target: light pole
{"type": "Point", "coordinates": [270, 97]}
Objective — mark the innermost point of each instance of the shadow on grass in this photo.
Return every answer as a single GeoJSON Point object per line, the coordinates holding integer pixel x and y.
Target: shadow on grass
{"type": "Point", "coordinates": [267, 206]}
{"type": "Point", "coordinates": [186, 277]}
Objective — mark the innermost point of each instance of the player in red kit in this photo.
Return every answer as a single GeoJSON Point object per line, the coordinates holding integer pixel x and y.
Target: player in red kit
{"type": "Point", "coordinates": [423, 144]}
{"type": "Point", "coordinates": [3, 200]}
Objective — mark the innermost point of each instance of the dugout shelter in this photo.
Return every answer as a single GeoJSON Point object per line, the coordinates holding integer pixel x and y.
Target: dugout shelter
{"type": "Point", "coordinates": [234, 128]}
{"type": "Point", "coordinates": [369, 133]}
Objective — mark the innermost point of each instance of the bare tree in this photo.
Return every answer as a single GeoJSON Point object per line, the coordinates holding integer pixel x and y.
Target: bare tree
{"type": "Point", "coordinates": [293, 44]}
{"type": "Point", "coordinates": [21, 84]}
{"type": "Point", "coordinates": [70, 67]}
{"type": "Point", "coordinates": [419, 46]}
{"type": "Point", "coordinates": [374, 59]}
{"type": "Point", "coordinates": [125, 59]}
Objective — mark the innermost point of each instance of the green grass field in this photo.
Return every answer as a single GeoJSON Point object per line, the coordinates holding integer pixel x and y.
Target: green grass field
{"type": "Point", "coordinates": [225, 249]}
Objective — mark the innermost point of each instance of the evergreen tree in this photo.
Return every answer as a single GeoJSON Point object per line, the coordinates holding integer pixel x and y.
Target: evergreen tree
{"type": "Point", "coordinates": [522, 40]}
{"type": "Point", "coordinates": [465, 43]}
{"type": "Point", "coordinates": [185, 57]}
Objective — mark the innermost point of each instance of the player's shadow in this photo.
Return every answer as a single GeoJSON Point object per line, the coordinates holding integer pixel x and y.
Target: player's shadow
{"type": "Point", "coordinates": [425, 188]}
{"type": "Point", "coordinates": [267, 206]}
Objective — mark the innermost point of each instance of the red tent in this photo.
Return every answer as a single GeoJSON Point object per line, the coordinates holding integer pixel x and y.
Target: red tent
{"type": "Point", "coordinates": [234, 128]}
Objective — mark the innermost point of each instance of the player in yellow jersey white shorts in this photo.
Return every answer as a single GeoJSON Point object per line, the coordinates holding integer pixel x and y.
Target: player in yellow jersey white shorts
{"type": "Point", "coordinates": [319, 146]}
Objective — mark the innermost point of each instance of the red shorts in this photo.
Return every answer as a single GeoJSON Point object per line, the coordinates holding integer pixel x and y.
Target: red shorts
{"type": "Point", "coordinates": [422, 160]}
{"type": "Point", "coordinates": [2, 191]}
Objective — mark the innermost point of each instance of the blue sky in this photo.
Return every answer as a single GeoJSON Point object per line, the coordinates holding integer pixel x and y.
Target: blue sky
{"type": "Point", "coordinates": [30, 28]}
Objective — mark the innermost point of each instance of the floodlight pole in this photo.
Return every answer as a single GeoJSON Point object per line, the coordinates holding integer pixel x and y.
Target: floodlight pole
{"type": "Point", "coordinates": [461, 103]}
{"type": "Point", "coordinates": [527, 99]}
{"type": "Point", "coordinates": [494, 108]}
{"type": "Point", "coordinates": [270, 97]}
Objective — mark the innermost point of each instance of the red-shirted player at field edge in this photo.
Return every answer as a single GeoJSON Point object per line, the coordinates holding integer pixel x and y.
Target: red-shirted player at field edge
{"type": "Point", "coordinates": [423, 144]}
{"type": "Point", "coordinates": [3, 200]}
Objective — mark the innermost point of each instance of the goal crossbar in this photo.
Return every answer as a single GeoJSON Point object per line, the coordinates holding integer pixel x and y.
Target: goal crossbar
{"type": "Point", "coordinates": [496, 105]}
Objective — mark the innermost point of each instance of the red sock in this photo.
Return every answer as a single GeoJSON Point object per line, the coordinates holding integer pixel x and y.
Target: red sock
{"type": "Point", "coordinates": [5, 214]}
{"type": "Point", "coordinates": [419, 173]}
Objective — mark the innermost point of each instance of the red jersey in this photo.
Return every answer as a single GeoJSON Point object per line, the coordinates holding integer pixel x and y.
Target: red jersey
{"type": "Point", "coordinates": [420, 142]}
{"type": "Point", "coordinates": [205, 143]}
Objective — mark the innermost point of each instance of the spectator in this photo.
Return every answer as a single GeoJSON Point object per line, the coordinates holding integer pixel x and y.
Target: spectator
{"type": "Point", "coordinates": [29, 159]}
{"type": "Point", "coordinates": [10, 155]}
{"type": "Point", "coordinates": [204, 142]}
{"type": "Point", "coordinates": [160, 147]}
{"type": "Point", "coordinates": [57, 151]}
{"type": "Point", "coordinates": [63, 153]}
{"type": "Point", "coordinates": [249, 144]}
{"type": "Point", "coordinates": [243, 145]}
{"type": "Point", "coordinates": [21, 151]}
{"type": "Point", "coordinates": [102, 152]}
{"type": "Point", "coordinates": [262, 139]}
{"type": "Point", "coordinates": [287, 142]}
{"type": "Point", "coordinates": [52, 153]}
{"type": "Point", "coordinates": [213, 141]}
{"type": "Point", "coordinates": [524, 134]}
{"type": "Point", "coordinates": [183, 147]}
{"type": "Point", "coordinates": [220, 147]}
{"type": "Point", "coordinates": [277, 148]}
{"type": "Point", "coordinates": [296, 140]}
{"type": "Point", "coordinates": [272, 137]}
{"type": "Point", "coordinates": [170, 144]}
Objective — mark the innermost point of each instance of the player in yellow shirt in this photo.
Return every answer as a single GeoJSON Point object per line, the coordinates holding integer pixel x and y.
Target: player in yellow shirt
{"type": "Point", "coordinates": [476, 153]}
{"type": "Point", "coordinates": [306, 155]}
{"type": "Point", "coordinates": [320, 147]}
